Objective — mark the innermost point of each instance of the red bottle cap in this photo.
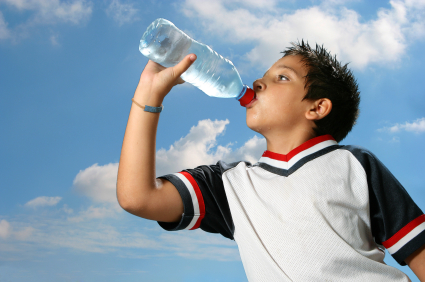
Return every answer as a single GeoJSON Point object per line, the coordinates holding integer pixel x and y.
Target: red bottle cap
{"type": "Point", "coordinates": [247, 97]}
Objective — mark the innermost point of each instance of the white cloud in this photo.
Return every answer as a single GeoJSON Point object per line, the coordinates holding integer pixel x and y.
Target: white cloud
{"type": "Point", "coordinates": [395, 139]}
{"type": "Point", "coordinates": [52, 11]}
{"type": "Point", "coordinates": [43, 201]}
{"type": "Point", "coordinates": [24, 234]}
{"type": "Point", "coordinates": [418, 126]}
{"type": "Point", "coordinates": [251, 151]}
{"type": "Point", "coordinates": [94, 213]}
{"type": "Point", "coordinates": [121, 13]}
{"type": "Point", "coordinates": [4, 31]}
{"type": "Point", "coordinates": [254, 4]}
{"type": "Point", "coordinates": [94, 236]}
{"type": "Point", "coordinates": [5, 229]}
{"type": "Point", "coordinates": [125, 236]}
{"type": "Point", "coordinates": [198, 244]}
{"type": "Point", "coordinates": [54, 40]}
{"type": "Point", "coordinates": [98, 183]}
{"type": "Point", "coordinates": [200, 147]}
{"type": "Point", "coordinates": [67, 210]}
{"type": "Point", "coordinates": [44, 12]}
{"type": "Point", "coordinates": [194, 149]}
{"type": "Point", "coordinates": [341, 30]}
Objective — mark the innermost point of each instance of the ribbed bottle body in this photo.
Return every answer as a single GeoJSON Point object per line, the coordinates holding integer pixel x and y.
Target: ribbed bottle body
{"type": "Point", "coordinates": [167, 45]}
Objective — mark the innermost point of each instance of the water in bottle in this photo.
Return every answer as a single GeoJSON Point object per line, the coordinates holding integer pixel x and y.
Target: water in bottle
{"type": "Point", "coordinates": [167, 45]}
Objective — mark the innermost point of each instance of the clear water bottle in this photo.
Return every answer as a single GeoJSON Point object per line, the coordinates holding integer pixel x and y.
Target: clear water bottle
{"type": "Point", "coordinates": [167, 45]}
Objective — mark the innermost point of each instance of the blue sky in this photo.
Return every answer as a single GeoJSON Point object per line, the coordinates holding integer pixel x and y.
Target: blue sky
{"type": "Point", "coordinates": [68, 71]}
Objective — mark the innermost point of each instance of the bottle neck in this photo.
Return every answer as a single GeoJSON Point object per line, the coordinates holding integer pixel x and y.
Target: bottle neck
{"type": "Point", "coordinates": [243, 91]}
{"type": "Point", "coordinates": [247, 96]}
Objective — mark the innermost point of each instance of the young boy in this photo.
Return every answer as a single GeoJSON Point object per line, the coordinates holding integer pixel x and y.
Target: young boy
{"type": "Point", "coordinates": [310, 209]}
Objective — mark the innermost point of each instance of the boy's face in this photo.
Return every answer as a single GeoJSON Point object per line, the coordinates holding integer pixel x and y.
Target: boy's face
{"type": "Point", "coordinates": [279, 107]}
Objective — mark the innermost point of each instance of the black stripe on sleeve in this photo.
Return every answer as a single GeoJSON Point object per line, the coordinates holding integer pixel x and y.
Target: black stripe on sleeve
{"type": "Point", "coordinates": [187, 204]}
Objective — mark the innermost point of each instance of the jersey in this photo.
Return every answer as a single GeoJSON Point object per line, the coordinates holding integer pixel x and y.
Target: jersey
{"type": "Point", "coordinates": [323, 212]}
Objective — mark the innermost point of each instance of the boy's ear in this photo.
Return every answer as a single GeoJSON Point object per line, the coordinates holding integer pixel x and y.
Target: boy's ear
{"type": "Point", "coordinates": [319, 109]}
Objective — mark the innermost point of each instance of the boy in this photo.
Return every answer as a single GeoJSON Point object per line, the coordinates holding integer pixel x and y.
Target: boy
{"type": "Point", "coordinates": [310, 209]}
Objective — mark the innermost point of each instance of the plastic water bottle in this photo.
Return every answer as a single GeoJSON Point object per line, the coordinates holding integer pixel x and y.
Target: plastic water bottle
{"type": "Point", "coordinates": [167, 45]}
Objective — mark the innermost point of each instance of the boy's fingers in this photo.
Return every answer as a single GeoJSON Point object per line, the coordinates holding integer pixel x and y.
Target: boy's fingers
{"type": "Point", "coordinates": [181, 67]}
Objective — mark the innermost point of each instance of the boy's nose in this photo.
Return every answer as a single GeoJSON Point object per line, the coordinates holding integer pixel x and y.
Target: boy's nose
{"type": "Point", "coordinates": [258, 85]}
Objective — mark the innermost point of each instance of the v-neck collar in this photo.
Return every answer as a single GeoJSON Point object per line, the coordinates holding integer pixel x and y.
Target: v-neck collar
{"type": "Point", "coordinates": [298, 156]}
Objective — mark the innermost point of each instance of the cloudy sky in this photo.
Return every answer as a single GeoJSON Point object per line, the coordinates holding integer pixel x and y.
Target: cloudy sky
{"type": "Point", "coordinates": [68, 71]}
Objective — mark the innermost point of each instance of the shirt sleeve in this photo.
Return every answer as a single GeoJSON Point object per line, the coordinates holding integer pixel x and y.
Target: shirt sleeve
{"type": "Point", "coordinates": [397, 222]}
{"type": "Point", "coordinates": [204, 200]}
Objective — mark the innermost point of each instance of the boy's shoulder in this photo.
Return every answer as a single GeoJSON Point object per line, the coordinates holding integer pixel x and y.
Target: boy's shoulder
{"type": "Point", "coordinates": [364, 156]}
{"type": "Point", "coordinates": [224, 166]}
{"type": "Point", "coordinates": [355, 149]}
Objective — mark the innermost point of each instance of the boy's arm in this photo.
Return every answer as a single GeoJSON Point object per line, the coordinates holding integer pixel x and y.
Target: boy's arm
{"type": "Point", "coordinates": [138, 191]}
{"type": "Point", "coordinates": [416, 262]}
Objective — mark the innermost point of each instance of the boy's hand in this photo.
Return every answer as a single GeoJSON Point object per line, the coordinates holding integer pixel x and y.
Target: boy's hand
{"type": "Point", "coordinates": [156, 81]}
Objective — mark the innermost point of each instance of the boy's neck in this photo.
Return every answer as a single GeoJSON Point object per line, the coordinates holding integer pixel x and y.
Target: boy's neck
{"type": "Point", "coordinates": [284, 143]}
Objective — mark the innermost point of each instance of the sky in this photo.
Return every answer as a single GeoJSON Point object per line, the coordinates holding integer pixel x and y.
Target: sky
{"type": "Point", "coordinates": [68, 71]}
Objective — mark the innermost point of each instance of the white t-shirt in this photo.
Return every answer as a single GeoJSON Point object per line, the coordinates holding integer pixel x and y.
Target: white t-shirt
{"type": "Point", "coordinates": [323, 212]}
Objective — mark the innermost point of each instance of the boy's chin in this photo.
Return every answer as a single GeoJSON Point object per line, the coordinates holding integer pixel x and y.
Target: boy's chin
{"type": "Point", "coordinates": [255, 128]}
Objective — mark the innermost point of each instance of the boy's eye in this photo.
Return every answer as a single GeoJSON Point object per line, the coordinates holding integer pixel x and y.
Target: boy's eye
{"type": "Point", "coordinates": [282, 77]}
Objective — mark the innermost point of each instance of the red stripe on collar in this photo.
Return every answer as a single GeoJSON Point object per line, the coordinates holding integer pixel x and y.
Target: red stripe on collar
{"type": "Point", "coordinates": [306, 145]}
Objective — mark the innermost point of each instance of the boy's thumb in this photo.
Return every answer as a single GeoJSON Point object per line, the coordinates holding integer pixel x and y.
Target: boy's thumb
{"type": "Point", "coordinates": [181, 67]}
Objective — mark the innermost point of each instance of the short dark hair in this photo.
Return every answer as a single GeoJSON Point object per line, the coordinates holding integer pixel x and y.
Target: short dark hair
{"type": "Point", "coordinates": [328, 78]}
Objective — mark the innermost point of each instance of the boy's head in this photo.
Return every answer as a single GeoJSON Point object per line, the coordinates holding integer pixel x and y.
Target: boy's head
{"type": "Point", "coordinates": [307, 93]}
{"type": "Point", "coordinates": [327, 78]}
